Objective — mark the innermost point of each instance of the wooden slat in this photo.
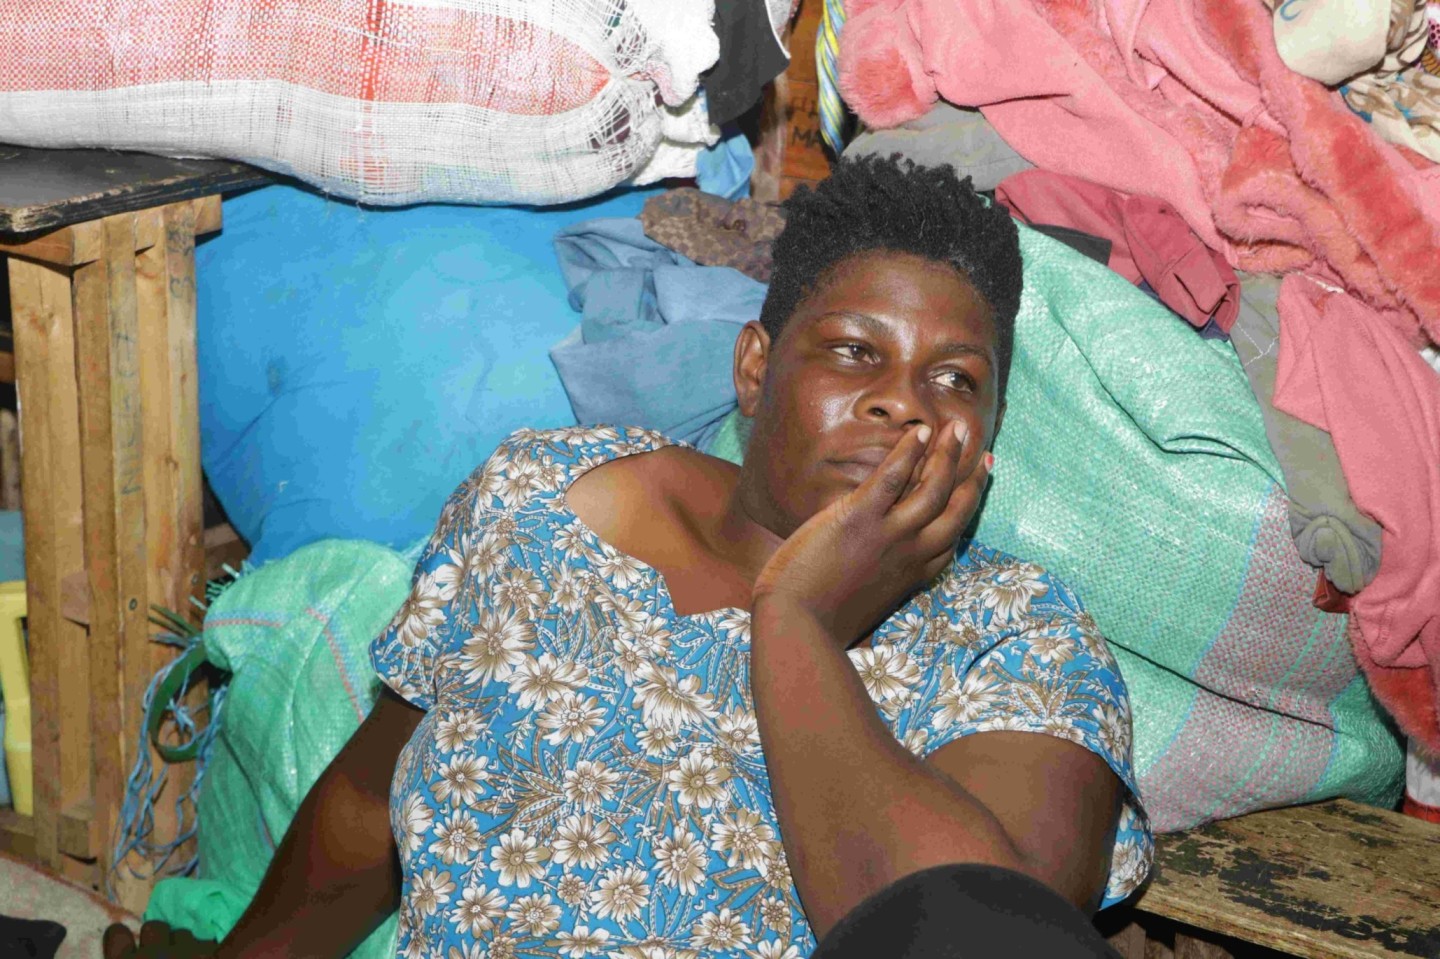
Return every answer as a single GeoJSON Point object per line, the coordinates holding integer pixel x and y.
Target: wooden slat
{"type": "Point", "coordinates": [207, 214]}
{"type": "Point", "coordinates": [174, 526]}
{"type": "Point", "coordinates": [60, 688]}
{"type": "Point", "coordinates": [69, 246]}
{"type": "Point", "coordinates": [1331, 881]}
{"type": "Point", "coordinates": [113, 452]}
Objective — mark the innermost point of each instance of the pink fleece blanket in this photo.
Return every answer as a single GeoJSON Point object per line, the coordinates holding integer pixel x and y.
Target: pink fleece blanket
{"type": "Point", "coordinates": [1189, 102]}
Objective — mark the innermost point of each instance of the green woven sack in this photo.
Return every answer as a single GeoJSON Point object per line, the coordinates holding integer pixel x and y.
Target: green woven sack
{"type": "Point", "coordinates": [1133, 463]}
{"type": "Point", "coordinates": [295, 636]}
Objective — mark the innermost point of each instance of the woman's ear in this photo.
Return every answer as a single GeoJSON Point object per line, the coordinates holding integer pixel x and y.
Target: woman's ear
{"type": "Point", "coordinates": [752, 355]}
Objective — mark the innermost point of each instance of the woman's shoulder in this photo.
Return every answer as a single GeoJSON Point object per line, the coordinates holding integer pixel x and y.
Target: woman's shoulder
{"type": "Point", "coordinates": [1006, 590]}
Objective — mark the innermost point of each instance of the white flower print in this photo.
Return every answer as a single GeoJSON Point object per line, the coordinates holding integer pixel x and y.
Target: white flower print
{"type": "Point", "coordinates": [430, 890]}
{"type": "Point", "coordinates": [657, 740]}
{"type": "Point", "coordinates": [667, 700]}
{"type": "Point", "coordinates": [462, 779]}
{"type": "Point", "coordinates": [457, 839]}
{"type": "Point", "coordinates": [574, 717]}
{"type": "Point", "coordinates": [477, 909]}
{"type": "Point", "coordinates": [457, 728]}
{"type": "Point", "coordinates": [502, 947]}
{"type": "Point", "coordinates": [496, 646]}
{"type": "Point", "coordinates": [649, 636]}
{"type": "Point", "coordinates": [573, 541]}
{"type": "Point", "coordinates": [736, 623]}
{"type": "Point", "coordinates": [590, 783]}
{"type": "Point", "coordinates": [698, 780]}
{"type": "Point", "coordinates": [415, 816]}
{"type": "Point", "coordinates": [739, 731]}
{"type": "Point", "coordinates": [621, 570]}
{"type": "Point", "coordinates": [545, 679]}
{"type": "Point", "coordinates": [472, 950]}
{"type": "Point", "coordinates": [1011, 591]}
{"type": "Point", "coordinates": [583, 841]}
{"type": "Point", "coordinates": [915, 740]}
{"type": "Point", "coordinates": [629, 659]}
{"type": "Point", "coordinates": [774, 914]}
{"type": "Point", "coordinates": [721, 930]}
{"type": "Point", "coordinates": [518, 859]}
{"type": "Point", "coordinates": [622, 894]}
{"type": "Point", "coordinates": [908, 629]}
{"type": "Point", "coordinates": [887, 670]}
{"type": "Point", "coordinates": [1051, 646]}
{"type": "Point", "coordinates": [582, 941]}
{"type": "Point", "coordinates": [520, 479]}
{"type": "Point", "coordinates": [572, 889]}
{"type": "Point", "coordinates": [537, 914]}
{"type": "Point", "coordinates": [774, 949]}
{"type": "Point", "coordinates": [1114, 729]}
{"type": "Point", "coordinates": [744, 838]}
{"type": "Point", "coordinates": [519, 589]}
{"type": "Point", "coordinates": [423, 611]}
{"type": "Point", "coordinates": [963, 701]}
{"type": "Point", "coordinates": [568, 589]}
{"type": "Point", "coordinates": [682, 858]}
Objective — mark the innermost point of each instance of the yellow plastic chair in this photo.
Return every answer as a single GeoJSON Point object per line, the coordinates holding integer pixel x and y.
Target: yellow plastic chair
{"type": "Point", "coordinates": [15, 686]}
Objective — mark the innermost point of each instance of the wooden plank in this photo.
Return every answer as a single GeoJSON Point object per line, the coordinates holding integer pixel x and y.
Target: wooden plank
{"type": "Point", "coordinates": [17, 834]}
{"type": "Point", "coordinates": [68, 246]}
{"type": "Point", "coordinates": [46, 189]}
{"type": "Point", "coordinates": [169, 398]}
{"type": "Point", "coordinates": [60, 690]}
{"type": "Point", "coordinates": [114, 513]}
{"type": "Point", "coordinates": [207, 214]}
{"type": "Point", "coordinates": [1330, 881]}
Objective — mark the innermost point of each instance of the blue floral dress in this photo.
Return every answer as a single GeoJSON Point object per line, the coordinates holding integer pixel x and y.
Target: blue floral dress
{"type": "Point", "coordinates": [588, 777]}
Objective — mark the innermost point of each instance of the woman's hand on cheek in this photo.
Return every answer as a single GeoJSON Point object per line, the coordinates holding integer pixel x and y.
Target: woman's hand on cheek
{"type": "Point", "coordinates": [850, 565]}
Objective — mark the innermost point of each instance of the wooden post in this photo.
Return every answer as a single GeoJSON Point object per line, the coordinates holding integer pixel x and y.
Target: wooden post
{"type": "Point", "coordinates": [790, 152]}
{"type": "Point", "coordinates": [54, 554]}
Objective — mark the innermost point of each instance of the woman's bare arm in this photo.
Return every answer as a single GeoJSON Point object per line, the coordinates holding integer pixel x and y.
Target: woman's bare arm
{"type": "Point", "coordinates": [335, 876]}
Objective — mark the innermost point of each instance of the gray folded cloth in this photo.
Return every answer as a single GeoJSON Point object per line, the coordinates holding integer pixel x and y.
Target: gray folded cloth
{"type": "Point", "coordinates": [1330, 531]}
{"type": "Point", "coordinates": [949, 134]}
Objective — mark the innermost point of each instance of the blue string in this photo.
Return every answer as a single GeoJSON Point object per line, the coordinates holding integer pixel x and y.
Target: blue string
{"type": "Point", "coordinates": [136, 826]}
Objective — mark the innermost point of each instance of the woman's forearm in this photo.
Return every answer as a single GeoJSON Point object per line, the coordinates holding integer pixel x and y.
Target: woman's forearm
{"type": "Point", "coordinates": [335, 876]}
{"type": "Point", "coordinates": [857, 811]}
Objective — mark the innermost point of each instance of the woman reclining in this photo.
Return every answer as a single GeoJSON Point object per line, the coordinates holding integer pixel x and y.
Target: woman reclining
{"type": "Point", "coordinates": [644, 703]}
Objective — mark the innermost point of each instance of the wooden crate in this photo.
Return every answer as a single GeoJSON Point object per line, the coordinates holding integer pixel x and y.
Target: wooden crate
{"type": "Point", "coordinates": [104, 318]}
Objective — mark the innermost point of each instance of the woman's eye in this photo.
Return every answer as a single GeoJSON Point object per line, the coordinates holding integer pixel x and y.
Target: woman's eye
{"type": "Point", "coordinates": [851, 351]}
{"type": "Point", "coordinates": [956, 380]}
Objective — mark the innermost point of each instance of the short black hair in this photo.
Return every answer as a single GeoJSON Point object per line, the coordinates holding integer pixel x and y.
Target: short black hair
{"type": "Point", "coordinates": [892, 205]}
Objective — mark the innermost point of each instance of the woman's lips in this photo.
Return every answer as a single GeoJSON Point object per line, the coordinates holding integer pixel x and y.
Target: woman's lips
{"type": "Point", "coordinates": [858, 465]}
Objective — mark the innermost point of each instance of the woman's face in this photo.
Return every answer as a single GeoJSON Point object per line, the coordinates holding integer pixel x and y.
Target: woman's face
{"type": "Point", "coordinates": [890, 341]}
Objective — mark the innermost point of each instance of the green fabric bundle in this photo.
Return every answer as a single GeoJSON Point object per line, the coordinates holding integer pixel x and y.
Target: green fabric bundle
{"type": "Point", "coordinates": [295, 634]}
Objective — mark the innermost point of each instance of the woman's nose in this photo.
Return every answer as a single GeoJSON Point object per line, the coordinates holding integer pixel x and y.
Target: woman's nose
{"type": "Point", "coordinates": [894, 399]}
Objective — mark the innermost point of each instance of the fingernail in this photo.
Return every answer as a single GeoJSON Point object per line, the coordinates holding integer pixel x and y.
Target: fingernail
{"type": "Point", "coordinates": [962, 430]}
{"type": "Point", "coordinates": [989, 462]}
{"type": "Point", "coordinates": [923, 432]}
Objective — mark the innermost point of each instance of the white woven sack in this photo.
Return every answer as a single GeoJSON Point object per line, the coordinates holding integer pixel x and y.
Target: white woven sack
{"type": "Point", "coordinates": [385, 101]}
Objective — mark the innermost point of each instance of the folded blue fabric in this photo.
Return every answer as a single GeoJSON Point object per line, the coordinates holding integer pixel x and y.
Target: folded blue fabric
{"type": "Point", "coordinates": [356, 364]}
{"type": "Point", "coordinates": [651, 321]}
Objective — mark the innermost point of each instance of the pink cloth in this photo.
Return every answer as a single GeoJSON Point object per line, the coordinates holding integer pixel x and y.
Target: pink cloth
{"type": "Point", "coordinates": [1189, 102]}
{"type": "Point", "coordinates": [1148, 241]}
{"type": "Point", "coordinates": [1347, 371]}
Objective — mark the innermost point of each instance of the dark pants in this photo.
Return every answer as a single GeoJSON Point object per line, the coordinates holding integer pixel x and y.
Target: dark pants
{"type": "Point", "coordinates": [965, 912]}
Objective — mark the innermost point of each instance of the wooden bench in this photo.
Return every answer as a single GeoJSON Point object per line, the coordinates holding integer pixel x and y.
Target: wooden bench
{"type": "Point", "coordinates": [1335, 880]}
{"type": "Point", "coordinates": [100, 249]}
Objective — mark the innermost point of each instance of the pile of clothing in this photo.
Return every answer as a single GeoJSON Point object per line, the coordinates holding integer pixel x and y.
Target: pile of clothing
{"type": "Point", "coordinates": [1300, 219]}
